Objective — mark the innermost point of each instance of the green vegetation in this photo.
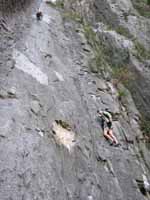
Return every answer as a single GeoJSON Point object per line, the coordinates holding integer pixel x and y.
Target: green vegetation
{"type": "Point", "coordinates": [142, 53]}
{"type": "Point", "coordinates": [148, 2]}
{"type": "Point", "coordinates": [100, 60]}
{"type": "Point", "coordinates": [121, 93]}
{"type": "Point", "coordinates": [74, 16]}
{"type": "Point", "coordinates": [123, 31]}
{"type": "Point", "coordinates": [145, 126]}
{"type": "Point", "coordinates": [121, 75]}
{"type": "Point", "coordinates": [90, 35]}
{"type": "Point", "coordinates": [57, 4]}
{"type": "Point", "coordinates": [125, 16]}
{"type": "Point", "coordinates": [142, 6]}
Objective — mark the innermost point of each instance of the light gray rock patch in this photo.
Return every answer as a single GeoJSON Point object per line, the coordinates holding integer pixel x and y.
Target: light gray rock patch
{"type": "Point", "coordinates": [46, 19]}
{"type": "Point", "coordinates": [59, 76]}
{"type": "Point", "coordinates": [24, 64]}
{"type": "Point", "coordinates": [35, 107]}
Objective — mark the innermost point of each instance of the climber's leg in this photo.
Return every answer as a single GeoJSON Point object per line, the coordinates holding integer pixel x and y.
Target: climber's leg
{"type": "Point", "coordinates": [110, 132]}
{"type": "Point", "coordinates": [107, 135]}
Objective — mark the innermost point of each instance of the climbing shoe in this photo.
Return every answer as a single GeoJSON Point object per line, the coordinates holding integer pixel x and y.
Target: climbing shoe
{"type": "Point", "coordinates": [117, 145]}
{"type": "Point", "coordinates": [111, 143]}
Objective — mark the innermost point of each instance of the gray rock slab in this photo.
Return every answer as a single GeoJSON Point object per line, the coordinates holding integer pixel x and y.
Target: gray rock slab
{"type": "Point", "coordinates": [35, 166]}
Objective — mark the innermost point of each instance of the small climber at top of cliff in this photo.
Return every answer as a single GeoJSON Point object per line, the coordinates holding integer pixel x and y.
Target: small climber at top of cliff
{"type": "Point", "coordinates": [106, 123]}
{"type": "Point", "coordinates": [39, 15]}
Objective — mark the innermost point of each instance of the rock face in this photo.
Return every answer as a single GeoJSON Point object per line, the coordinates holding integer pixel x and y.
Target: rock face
{"type": "Point", "coordinates": [44, 78]}
{"type": "Point", "coordinates": [13, 5]}
{"type": "Point", "coordinates": [125, 33]}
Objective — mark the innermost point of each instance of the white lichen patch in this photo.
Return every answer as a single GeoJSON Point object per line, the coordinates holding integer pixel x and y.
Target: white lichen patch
{"type": "Point", "coordinates": [24, 64]}
{"type": "Point", "coordinates": [64, 136]}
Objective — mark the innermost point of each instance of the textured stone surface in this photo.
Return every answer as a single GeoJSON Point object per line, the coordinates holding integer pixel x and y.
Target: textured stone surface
{"type": "Point", "coordinates": [109, 17]}
{"type": "Point", "coordinates": [35, 165]}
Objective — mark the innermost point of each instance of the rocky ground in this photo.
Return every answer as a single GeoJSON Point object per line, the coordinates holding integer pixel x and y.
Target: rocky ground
{"type": "Point", "coordinates": [44, 76]}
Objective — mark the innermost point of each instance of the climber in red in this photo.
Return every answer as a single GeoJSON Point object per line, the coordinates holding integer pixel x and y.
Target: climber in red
{"type": "Point", "coordinates": [106, 122]}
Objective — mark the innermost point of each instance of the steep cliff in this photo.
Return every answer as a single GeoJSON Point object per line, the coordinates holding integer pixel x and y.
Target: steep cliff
{"type": "Point", "coordinates": [51, 141]}
{"type": "Point", "coordinates": [126, 34]}
{"type": "Point", "coordinates": [123, 30]}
